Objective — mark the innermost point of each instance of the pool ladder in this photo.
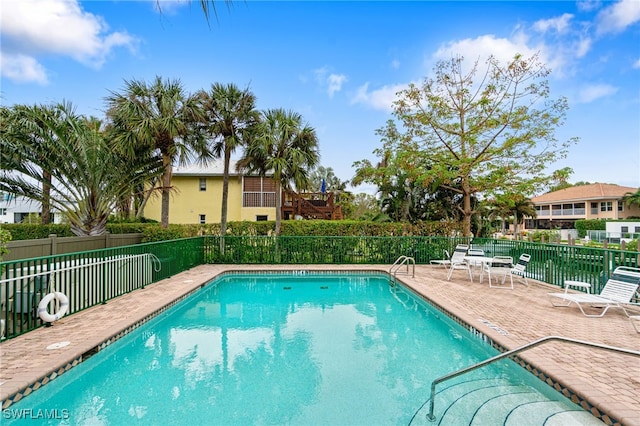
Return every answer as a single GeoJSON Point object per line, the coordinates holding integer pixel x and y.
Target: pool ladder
{"type": "Point", "coordinates": [431, 417]}
{"type": "Point", "coordinates": [403, 260]}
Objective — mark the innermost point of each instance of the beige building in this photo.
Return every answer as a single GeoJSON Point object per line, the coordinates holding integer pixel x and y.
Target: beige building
{"type": "Point", "coordinates": [197, 196]}
{"type": "Point", "coordinates": [560, 209]}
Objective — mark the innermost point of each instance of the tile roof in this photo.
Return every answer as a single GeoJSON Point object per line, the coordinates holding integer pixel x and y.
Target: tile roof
{"type": "Point", "coordinates": [585, 192]}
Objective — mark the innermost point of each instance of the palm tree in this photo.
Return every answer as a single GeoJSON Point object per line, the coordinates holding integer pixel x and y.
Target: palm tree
{"type": "Point", "coordinates": [285, 147]}
{"type": "Point", "coordinates": [160, 117]}
{"type": "Point", "coordinates": [24, 124]}
{"type": "Point", "coordinates": [632, 198]}
{"type": "Point", "coordinates": [231, 117]}
{"type": "Point", "coordinates": [88, 177]}
{"type": "Point", "coordinates": [516, 206]}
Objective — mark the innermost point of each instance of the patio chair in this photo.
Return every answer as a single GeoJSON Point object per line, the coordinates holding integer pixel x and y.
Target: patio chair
{"type": "Point", "coordinates": [500, 266]}
{"type": "Point", "coordinates": [444, 262]}
{"type": "Point", "coordinates": [520, 267]}
{"type": "Point", "coordinates": [458, 262]}
{"type": "Point", "coordinates": [617, 292]}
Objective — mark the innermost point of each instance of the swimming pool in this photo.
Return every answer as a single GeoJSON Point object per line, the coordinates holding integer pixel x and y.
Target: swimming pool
{"type": "Point", "coordinates": [297, 348]}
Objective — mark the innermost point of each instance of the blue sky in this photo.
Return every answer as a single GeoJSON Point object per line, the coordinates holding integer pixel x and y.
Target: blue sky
{"type": "Point", "coordinates": [339, 64]}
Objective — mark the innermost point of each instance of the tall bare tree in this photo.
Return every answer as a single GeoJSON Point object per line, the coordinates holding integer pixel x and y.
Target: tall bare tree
{"type": "Point", "coordinates": [492, 135]}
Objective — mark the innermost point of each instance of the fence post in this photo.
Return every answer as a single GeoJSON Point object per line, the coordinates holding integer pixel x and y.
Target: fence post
{"type": "Point", "coordinates": [623, 245]}
{"type": "Point", "coordinates": [54, 244]}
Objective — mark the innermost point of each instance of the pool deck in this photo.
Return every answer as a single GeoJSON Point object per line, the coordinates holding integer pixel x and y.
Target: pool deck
{"type": "Point", "coordinates": [608, 381]}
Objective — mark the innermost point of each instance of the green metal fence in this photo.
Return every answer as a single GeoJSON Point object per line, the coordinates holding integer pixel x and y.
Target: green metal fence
{"type": "Point", "coordinates": [94, 277]}
{"type": "Point", "coordinates": [550, 263]}
{"type": "Point", "coordinates": [87, 278]}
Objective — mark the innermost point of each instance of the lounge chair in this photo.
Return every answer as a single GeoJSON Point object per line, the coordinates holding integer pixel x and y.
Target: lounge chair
{"type": "Point", "coordinates": [500, 266]}
{"type": "Point", "coordinates": [444, 262]}
{"type": "Point", "coordinates": [520, 267]}
{"type": "Point", "coordinates": [458, 262]}
{"type": "Point", "coordinates": [617, 292]}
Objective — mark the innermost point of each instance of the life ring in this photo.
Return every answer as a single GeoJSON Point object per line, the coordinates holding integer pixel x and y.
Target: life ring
{"type": "Point", "coordinates": [44, 304]}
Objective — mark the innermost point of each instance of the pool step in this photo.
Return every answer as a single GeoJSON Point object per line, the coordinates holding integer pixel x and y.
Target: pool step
{"type": "Point", "coordinates": [496, 401]}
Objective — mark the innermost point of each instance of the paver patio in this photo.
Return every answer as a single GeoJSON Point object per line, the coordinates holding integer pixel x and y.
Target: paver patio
{"type": "Point", "coordinates": [609, 381]}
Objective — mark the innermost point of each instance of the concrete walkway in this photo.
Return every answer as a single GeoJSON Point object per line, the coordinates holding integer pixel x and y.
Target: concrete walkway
{"type": "Point", "coordinates": [606, 383]}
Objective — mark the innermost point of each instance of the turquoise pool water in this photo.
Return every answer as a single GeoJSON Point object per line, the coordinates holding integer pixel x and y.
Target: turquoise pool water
{"type": "Point", "coordinates": [299, 349]}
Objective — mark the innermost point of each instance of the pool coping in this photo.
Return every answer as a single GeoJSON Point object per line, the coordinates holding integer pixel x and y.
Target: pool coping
{"type": "Point", "coordinates": [491, 335]}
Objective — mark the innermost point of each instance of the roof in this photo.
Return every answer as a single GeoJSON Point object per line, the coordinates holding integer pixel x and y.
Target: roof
{"type": "Point", "coordinates": [585, 192]}
{"type": "Point", "coordinates": [212, 168]}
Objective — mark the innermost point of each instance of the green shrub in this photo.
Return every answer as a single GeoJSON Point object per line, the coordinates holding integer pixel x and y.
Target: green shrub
{"type": "Point", "coordinates": [549, 236]}
{"type": "Point", "coordinates": [5, 237]}
{"type": "Point", "coordinates": [154, 232]}
{"type": "Point", "coordinates": [585, 225]}
{"type": "Point", "coordinates": [632, 245]}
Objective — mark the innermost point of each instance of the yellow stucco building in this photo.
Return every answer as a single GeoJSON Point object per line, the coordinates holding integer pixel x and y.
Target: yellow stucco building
{"type": "Point", "coordinates": [197, 196]}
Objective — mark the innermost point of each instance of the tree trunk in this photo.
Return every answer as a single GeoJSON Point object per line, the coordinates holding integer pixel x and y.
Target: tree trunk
{"type": "Point", "coordinates": [225, 191]}
{"type": "Point", "coordinates": [145, 198]}
{"type": "Point", "coordinates": [466, 209]}
{"type": "Point", "coordinates": [166, 187]}
{"type": "Point", "coordinates": [278, 189]}
{"type": "Point", "coordinates": [45, 213]}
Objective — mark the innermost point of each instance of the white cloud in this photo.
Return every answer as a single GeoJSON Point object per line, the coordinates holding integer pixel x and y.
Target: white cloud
{"type": "Point", "coordinates": [617, 17]}
{"type": "Point", "coordinates": [560, 24]}
{"type": "Point", "coordinates": [395, 64]}
{"type": "Point", "coordinates": [22, 69]}
{"type": "Point", "coordinates": [335, 83]}
{"type": "Point", "coordinates": [30, 28]}
{"type": "Point", "coordinates": [331, 81]}
{"type": "Point", "coordinates": [480, 48]}
{"type": "Point", "coordinates": [588, 5]}
{"type": "Point", "coordinates": [169, 6]}
{"type": "Point", "coordinates": [636, 64]}
{"type": "Point", "coordinates": [595, 91]}
{"type": "Point", "coordinates": [381, 99]}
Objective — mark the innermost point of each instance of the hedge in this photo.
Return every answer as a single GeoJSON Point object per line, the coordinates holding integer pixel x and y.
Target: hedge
{"type": "Point", "coordinates": [585, 225]}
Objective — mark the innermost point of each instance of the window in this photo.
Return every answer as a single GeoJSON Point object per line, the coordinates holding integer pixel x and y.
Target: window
{"type": "Point", "coordinates": [606, 206]}
{"type": "Point", "coordinates": [258, 192]}
{"type": "Point", "coordinates": [3, 212]}
{"type": "Point", "coordinates": [636, 229]}
{"type": "Point", "coordinates": [624, 229]}
{"type": "Point", "coordinates": [594, 208]}
{"type": "Point", "coordinates": [262, 218]}
{"type": "Point", "coordinates": [203, 218]}
{"type": "Point", "coordinates": [203, 184]}
{"type": "Point", "coordinates": [620, 206]}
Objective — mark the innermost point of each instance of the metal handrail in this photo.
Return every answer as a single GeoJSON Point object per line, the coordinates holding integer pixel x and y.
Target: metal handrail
{"type": "Point", "coordinates": [91, 262]}
{"type": "Point", "coordinates": [529, 345]}
{"type": "Point", "coordinates": [402, 260]}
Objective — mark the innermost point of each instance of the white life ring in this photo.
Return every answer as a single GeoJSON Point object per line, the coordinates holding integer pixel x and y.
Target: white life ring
{"type": "Point", "coordinates": [44, 304]}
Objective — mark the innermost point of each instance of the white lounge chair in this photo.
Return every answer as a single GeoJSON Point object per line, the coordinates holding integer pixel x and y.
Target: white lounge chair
{"type": "Point", "coordinates": [520, 268]}
{"type": "Point", "coordinates": [500, 266]}
{"type": "Point", "coordinates": [458, 262]}
{"type": "Point", "coordinates": [444, 262]}
{"type": "Point", "coordinates": [617, 292]}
